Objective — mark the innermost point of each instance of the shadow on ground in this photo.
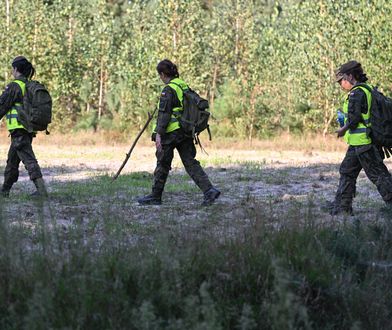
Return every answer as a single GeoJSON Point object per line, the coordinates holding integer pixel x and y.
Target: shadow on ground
{"type": "Point", "coordinates": [252, 187]}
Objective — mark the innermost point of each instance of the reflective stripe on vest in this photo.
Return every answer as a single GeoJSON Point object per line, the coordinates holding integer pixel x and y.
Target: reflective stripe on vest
{"type": "Point", "coordinates": [176, 84]}
{"type": "Point", "coordinates": [358, 136]}
{"type": "Point", "coordinates": [12, 115]}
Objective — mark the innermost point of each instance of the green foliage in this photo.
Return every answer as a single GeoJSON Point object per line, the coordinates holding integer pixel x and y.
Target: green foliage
{"type": "Point", "coordinates": [274, 58]}
{"type": "Point", "coordinates": [111, 272]}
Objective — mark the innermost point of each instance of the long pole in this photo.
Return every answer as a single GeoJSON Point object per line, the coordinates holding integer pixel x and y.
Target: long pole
{"type": "Point", "coordinates": [128, 155]}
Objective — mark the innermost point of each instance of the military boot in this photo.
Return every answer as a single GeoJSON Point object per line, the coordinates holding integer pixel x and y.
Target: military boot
{"type": "Point", "coordinates": [345, 211]}
{"type": "Point", "coordinates": [5, 191]}
{"type": "Point", "coordinates": [210, 196]}
{"type": "Point", "coordinates": [334, 209]}
{"type": "Point", "coordinates": [151, 199]}
{"type": "Point", "coordinates": [41, 188]}
{"type": "Point", "coordinates": [386, 210]}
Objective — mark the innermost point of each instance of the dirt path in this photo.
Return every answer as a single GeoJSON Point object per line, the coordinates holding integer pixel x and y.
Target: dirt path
{"type": "Point", "coordinates": [248, 179]}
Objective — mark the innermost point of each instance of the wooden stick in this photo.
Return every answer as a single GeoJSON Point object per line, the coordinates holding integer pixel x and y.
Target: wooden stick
{"type": "Point", "coordinates": [128, 155]}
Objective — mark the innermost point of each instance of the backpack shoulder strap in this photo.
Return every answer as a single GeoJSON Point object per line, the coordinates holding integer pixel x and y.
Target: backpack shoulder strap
{"type": "Point", "coordinates": [21, 84]}
{"type": "Point", "coordinates": [178, 85]}
{"type": "Point", "coordinates": [370, 90]}
{"type": "Point", "coordinates": [366, 86]}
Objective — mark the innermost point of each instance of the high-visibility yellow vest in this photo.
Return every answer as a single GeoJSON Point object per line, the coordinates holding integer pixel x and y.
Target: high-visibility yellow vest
{"type": "Point", "coordinates": [12, 115]}
{"type": "Point", "coordinates": [358, 136]}
{"type": "Point", "coordinates": [178, 85]}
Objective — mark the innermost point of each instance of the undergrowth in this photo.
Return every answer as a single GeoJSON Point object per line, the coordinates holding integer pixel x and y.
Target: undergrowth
{"type": "Point", "coordinates": [286, 271]}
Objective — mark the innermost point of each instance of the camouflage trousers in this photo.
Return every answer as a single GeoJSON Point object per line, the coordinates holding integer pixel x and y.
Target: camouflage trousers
{"type": "Point", "coordinates": [357, 158]}
{"type": "Point", "coordinates": [20, 150]}
{"type": "Point", "coordinates": [187, 151]}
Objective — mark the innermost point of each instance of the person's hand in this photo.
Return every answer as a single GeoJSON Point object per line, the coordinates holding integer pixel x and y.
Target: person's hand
{"type": "Point", "coordinates": [341, 131]}
{"type": "Point", "coordinates": [158, 142]}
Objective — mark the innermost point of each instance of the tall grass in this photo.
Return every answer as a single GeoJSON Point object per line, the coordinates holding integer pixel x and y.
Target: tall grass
{"type": "Point", "coordinates": [286, 272]}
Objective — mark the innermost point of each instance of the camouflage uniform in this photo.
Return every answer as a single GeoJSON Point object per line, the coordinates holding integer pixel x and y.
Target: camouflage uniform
{"type": "Point", "coordinates": [21, 143]}
{"type": "Point", "coordinates": [370, 159]}
{"type": "Point", "coordinates": [358, 157]}
{"type": "Point", "coordinates": [175, 140]}
{"type": "Point", "coordinates": [187, 151]}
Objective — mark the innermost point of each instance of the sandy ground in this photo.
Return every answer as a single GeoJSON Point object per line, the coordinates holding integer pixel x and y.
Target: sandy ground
{"type": "Point", "coordinates": [245, 176]}
{"type": "Point", "coordinates": [82, 161]}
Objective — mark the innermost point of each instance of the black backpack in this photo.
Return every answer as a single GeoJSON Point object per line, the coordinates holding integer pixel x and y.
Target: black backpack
{"type": "Point", "coordinates": [36, 112]}
{"type": "Point", "coordinates": [380, 118]}
{"type": "Point", "coordinates": [194, 117]}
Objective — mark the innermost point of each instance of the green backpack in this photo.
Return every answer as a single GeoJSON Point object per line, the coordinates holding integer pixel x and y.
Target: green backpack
{"type": "Point", "coordinates": [380, 119]}
{"type": "Point", "coordinates": [195, 114]}
{"type": "Point", "coordinates": [36, 112]}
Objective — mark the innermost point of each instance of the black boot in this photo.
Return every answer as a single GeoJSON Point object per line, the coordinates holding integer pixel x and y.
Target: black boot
{"type": "Point", "coordinates": [210, 196]}
{"type": "Point", "coordinates": [41, 188]}
{"type": "Point", "coordinates": [345, 211]}
{"type": "Point", "coordinates": [5, 191]}
{"type": "Point", "coordinates": [386, 210]}
{"type": "Point", "coordinates": [334, 209]}
{"type": "Point", "coordinates": [150, 199]}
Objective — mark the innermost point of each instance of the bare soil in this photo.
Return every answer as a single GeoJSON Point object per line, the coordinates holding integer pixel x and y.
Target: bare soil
{"type": "Point", "coordinates": [250, 179]}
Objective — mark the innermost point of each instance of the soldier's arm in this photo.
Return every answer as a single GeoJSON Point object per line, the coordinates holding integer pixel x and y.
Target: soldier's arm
{"type": "Point", "coordinates": [357, 105]}
{"type": "Point", "coordinates": [10, 95]}
{"type": "Point", "coordinates": [165, 109]}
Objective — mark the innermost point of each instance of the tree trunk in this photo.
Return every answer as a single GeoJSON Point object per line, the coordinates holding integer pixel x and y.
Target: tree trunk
{"type": "Point", "coordinates": [70, 34]}
{"type": "Point", "coordinates": [36, 24]}
{"type": "Point", "coordinates": [101, 86]}
{"type": "Point", "coordinates": [175, 27]}
{"type": "Point", "coordinates": [329, 115]}
{"type": "Point", "coordinates": [213, 88]}
{"type": "Point", "coordinates": [8, 20]}
{"type": "Point", "coordinates": [328, 118]}
{"type": "Point", "coordinates": [174, 37]}
{"type": "Point", "coordinates": [236, 50]}
{"type": "Point", "coordinates": [7, 12]}
{"type": "Point", "coordinates": [252, 114]}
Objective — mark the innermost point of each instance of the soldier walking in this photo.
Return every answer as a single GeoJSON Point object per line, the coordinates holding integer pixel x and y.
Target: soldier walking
{"type": "Point", "coordinates": [21, 140]}
{"type": "Point", "coordinates": [168, 136]}
{"type": "Point", "coordinates": [361, 153]}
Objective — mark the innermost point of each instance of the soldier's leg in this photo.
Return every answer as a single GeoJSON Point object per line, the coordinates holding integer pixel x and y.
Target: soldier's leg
{"type": "Point", "coordinates": [377, 172]}
{"type": "Point", "coordinates": [11, 172]}
{"type": "Point", "coordinates": [187, 151]}
{"type": "Point", "coordinates": [164, 160]}
{"type": "Point", "coordinates": [349, 171]}
{"type": "Point", "coordinates": [27, 156]}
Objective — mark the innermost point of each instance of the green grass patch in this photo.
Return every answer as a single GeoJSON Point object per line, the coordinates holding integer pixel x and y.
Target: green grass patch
{"type": "Point", "coordinates": [101, 186]}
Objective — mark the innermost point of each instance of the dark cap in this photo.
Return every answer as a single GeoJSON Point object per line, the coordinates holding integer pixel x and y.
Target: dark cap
{"type": "Point", "coordinates": [17, 59]}
{"type": "Point", "coordinates": [339, 76]}
{"type": "Point", "coordinates": [346, 68]}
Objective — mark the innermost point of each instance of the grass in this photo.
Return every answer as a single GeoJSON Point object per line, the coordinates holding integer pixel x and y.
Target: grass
{"type": "Point", "coordinates": [91, 258]}
{"type": "Point", "coordinates": [304, 275]}
{"type": "Point", "coordinates": [272, 268]}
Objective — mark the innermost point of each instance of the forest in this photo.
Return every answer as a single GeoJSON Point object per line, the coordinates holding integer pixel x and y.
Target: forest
{"type": "Point", "coordinates": [266, 67]}
{"type": "Point", "coordinates": [267, 254]}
